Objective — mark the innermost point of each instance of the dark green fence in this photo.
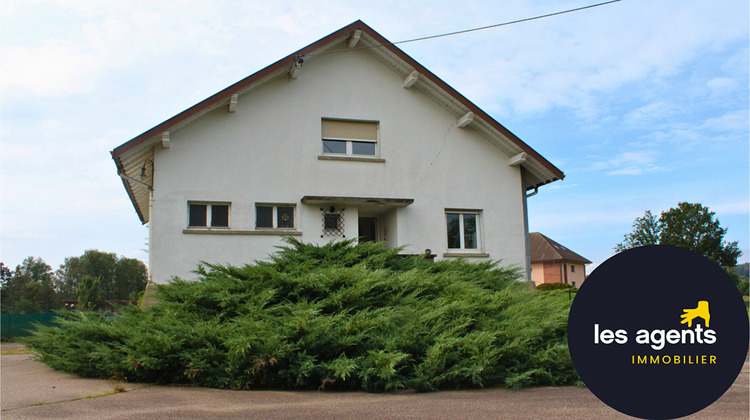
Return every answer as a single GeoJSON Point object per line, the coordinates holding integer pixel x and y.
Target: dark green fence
{"type": "Point", "coordinates": [17, 325]}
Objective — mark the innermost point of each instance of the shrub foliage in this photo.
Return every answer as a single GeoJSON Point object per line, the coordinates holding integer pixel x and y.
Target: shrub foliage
{"type": "Point", "coordinates": [336, 316]}
{"type": "Point", "coordinates": [555, 286]}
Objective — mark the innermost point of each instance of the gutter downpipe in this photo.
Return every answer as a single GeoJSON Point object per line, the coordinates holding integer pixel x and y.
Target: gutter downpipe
{"type": "Point", "coordinates": [526, 222]}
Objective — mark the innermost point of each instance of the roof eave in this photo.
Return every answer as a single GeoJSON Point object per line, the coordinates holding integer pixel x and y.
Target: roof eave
{"type": "Point", "coordinates": [129, 189]}
{"type": "Point", "coordinates": [557, 174]}
{"type": "Point", "coordinates": [224, 95]}
{"type": "Point", "coordinates": [544, 171]}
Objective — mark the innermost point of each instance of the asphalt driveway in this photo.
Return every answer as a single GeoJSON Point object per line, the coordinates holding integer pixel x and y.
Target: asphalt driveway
{"type": "Point", "coordinates": [30, 390]}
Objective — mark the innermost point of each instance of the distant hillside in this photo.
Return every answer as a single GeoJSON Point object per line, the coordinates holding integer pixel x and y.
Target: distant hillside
{"type": "Point", "coordinates": [743, 270]}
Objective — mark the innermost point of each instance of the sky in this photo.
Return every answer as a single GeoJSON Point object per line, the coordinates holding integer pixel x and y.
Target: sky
{"type": "Point", "coordinates": [643, 104]}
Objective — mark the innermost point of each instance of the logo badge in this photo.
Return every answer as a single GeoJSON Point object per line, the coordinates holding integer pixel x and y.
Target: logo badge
{"type": "Point", "coordinates": [658, 332]}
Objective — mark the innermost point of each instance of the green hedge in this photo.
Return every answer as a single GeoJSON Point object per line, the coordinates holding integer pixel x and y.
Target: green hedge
{"type": "Point", "coordinates": [337, 316]}
{"type": "Point", "coordinates": [555, 286]}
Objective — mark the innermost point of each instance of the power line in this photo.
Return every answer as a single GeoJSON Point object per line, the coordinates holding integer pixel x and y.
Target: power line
{"type": "Point", "coordinates": [507, 23]}
{"type": "Point", "coordinates": [475, 29]}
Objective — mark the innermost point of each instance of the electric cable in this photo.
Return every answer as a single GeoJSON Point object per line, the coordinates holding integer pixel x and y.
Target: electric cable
{"type": "Point", "coordinates": [578, 9]}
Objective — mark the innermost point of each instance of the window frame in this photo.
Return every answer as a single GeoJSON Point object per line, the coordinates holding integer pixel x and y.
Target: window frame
{"type": "Point", "coordinates": [275, 216]}
{"type": "Point", "coordinates": [349, 142]}
{"type": "Point", "coordinates": [462, 240]}
{"type": "Point", "coordinates": [209, 214]}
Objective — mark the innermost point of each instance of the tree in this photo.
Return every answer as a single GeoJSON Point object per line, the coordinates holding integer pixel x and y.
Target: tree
{"type": "Point", "coordinates": [5, 275]}
{"type": "Point", "coordinates": [645, 232]}
{"type": "Point", "coordinates": [131, 277]}
{"type": "Point", "coordinates": [693, 226]}
{"type": "Point", "coordinates": [120, 278]}
{"type": "Point", "coordinates": [689, 225]}
{"type": "Point", "coordinates": [93, 263]}
{"type": "Point", "coordinates": [29, 288]}
{"type": "Point", "coordinates": [89, 293]}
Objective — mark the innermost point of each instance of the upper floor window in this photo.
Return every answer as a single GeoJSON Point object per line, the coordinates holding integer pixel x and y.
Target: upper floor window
{"type": "Point", "coordinates": [349, 137]}
{"type": "Point", "coordinates": [274, 216]}
{"type": "Point", "coordinates": [208, 214]}
{"type": "Point", "coordinates": [463, 230]}
{"type": "Point", "coordinates": [572, 269]}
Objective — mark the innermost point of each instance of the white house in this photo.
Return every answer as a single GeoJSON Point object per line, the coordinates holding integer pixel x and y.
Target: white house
{"type": "Point", "coordinates": [348, 137]}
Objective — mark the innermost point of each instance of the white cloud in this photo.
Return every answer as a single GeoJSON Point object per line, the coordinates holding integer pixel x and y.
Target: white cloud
{"type": "Point", "coordinates": [573, 58]}
{"type": "Point", "coordinates": [731, 208]}
{"type": "Point", "coordinates": [722, 133]}
{"type": "Point", "coordinates": [56, 68]}
{"type": "Point", "coordinates": [731, 122]}
{"type": "Point", "coordinates": [722, 84]}
{"type": "Point", "coordinates": [628, 163]}
{"type": "Point", "coordinates": [650, 114]}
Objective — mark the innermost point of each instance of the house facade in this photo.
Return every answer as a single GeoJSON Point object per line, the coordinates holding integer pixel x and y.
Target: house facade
{"type": "Point", "coordinates": [554, 263]}
{"type": "Point", "coordinates": [346, 138]}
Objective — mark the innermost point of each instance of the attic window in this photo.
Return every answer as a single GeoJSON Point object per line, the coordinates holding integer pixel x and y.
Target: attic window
{"type": "Point", "coordinates": [349, 137]}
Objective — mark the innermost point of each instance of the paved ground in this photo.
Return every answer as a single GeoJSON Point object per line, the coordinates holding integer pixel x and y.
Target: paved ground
{"type": "Point", "coordinates": [30, 390]}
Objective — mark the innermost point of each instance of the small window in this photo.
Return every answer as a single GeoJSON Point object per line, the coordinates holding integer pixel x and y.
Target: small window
{"type": "Point", "coordinates": [263, 216]}
{"type": "Point", "coordinates": [349, 138]}
{"type": "Point", "coordinates": [463, 230]}
{"type": "Point", "coordinates": [334, 146]}
{"type": "Point", "coordinates": [208, 215]}
{"type": "Point", "coordinates": [363, 148]}
{"type": "Point", "coordinates": [197, 217]}
{"type": "Point", "coordinates": [331, 221]}
{"type": "Point", "coordinates": [572, 269]}
{"type": "Point", "coordinates": [274, 216]}
{"type": "Point", "coordinates": [285, 217]}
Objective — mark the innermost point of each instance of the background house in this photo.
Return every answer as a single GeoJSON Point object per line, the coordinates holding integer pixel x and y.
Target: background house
{"type": "Point", "coordinates": [348, 137]}
{"type": "Point", "coordinates": [554, 263]}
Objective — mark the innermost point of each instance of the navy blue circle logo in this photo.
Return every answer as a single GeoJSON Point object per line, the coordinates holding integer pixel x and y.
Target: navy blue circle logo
{"type": "Point", "coordinates": [658, 332]}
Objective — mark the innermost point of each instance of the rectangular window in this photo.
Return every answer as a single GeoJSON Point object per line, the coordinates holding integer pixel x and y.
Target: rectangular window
{"type": "Point", "coordinates": [285, 217]}
{"type": "Point", "coordinates": [263, 216]}
{"type": "Point", "coordinates": [219, 215]}
{"type": "Point", "coordinates": [572, 269]}
{"type": "Point", "coordinates": [334, 146]}
{"type": "Point", "coordinates": [463, 230]}
{"type": "Point", "coordinates": [331, 221]}
{"type": "Point", "coordinates": [274, 216]}
{"type": "Point", "coordinates": [363, 148]}
{"type": "Point", "coordinates": [197, 215]}
{"type": "Point", "coordinates": [349, 138]}
{"type": "Point", "coordinates": [208, 215]}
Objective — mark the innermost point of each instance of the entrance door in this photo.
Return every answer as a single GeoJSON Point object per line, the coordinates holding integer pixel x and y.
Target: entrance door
{"type": "Point", "coordinates": [368, 229]}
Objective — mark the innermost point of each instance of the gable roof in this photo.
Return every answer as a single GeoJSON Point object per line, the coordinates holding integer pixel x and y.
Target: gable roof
{"type": "Point", "coordinates": [131, 157]}
{"type": "Point", "coordinates": [545, 249]}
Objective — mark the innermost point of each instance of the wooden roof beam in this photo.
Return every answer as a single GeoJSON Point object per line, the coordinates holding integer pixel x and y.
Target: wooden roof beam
{"type": "Point", "coordinates": [165, 140]}
{"type": "Point", "coordinates": [233, 102]}
{"type": "Point", "coordinates": [411, 79]}
{"type": "Point", "coordinates": [354, 40]}
{"type": "Point", "coordinates": [465, 120]}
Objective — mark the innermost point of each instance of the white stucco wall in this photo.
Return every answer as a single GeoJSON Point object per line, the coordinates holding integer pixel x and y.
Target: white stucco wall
{"type": "Point", "coordinates": [268, 152]}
